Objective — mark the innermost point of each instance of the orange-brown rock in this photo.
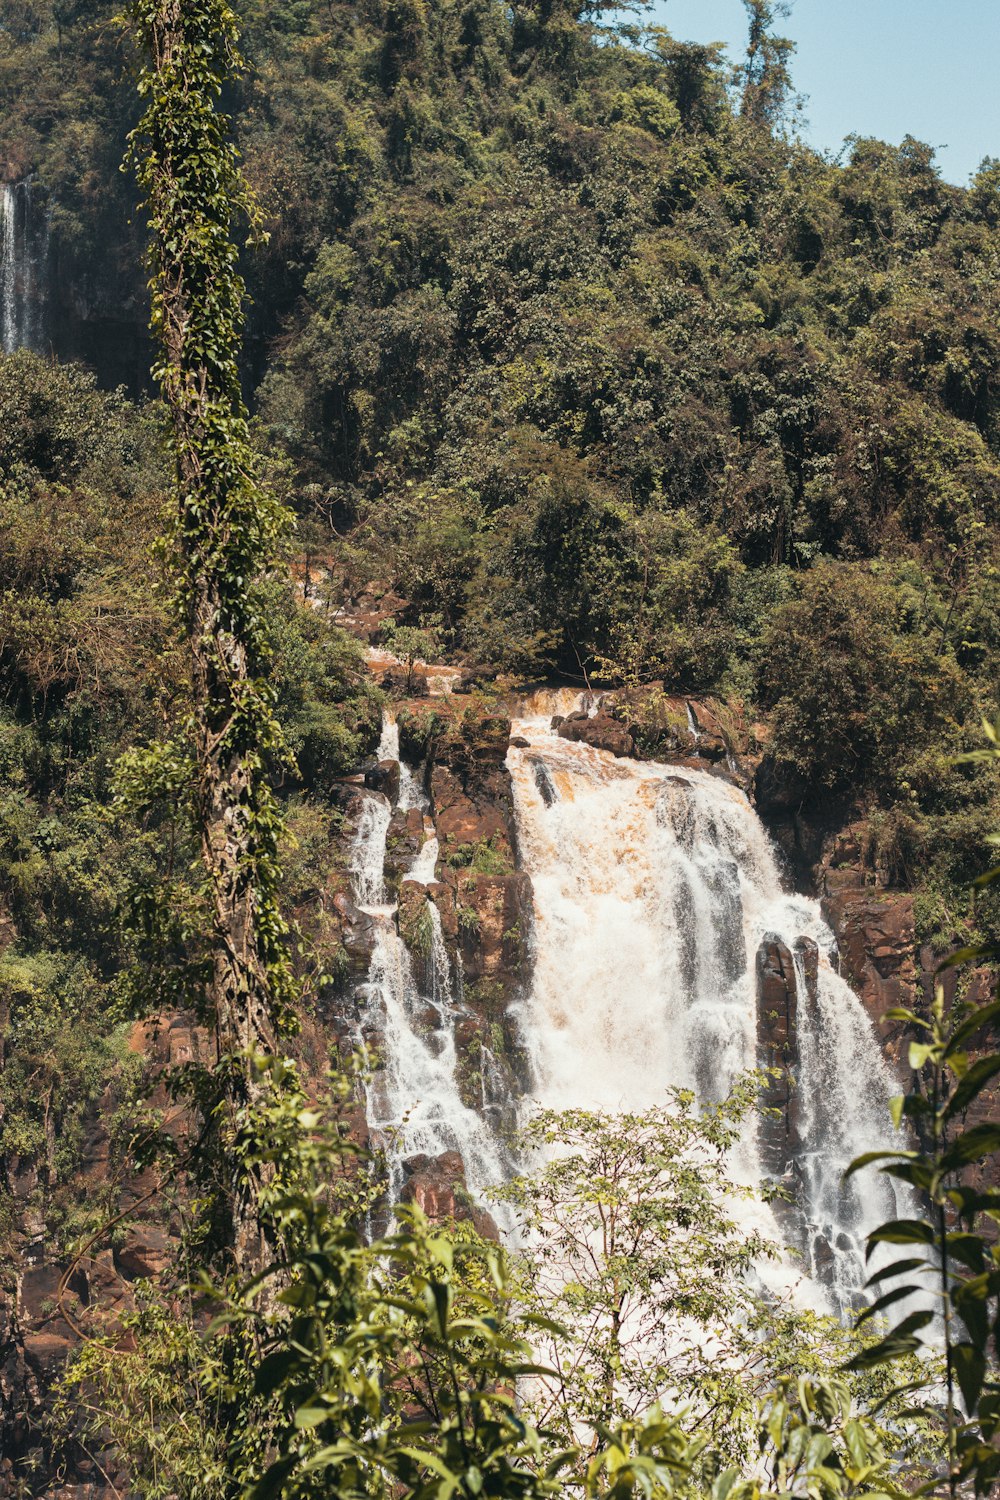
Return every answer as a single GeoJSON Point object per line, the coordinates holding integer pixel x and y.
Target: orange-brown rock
{"type": "Point", "coordinates": [493, 914]}
{"type": "Point", "coordinates": [876, 939]}
{"type": "Point", "coordinates": [602, 732]}
{"type": "Point", "coordinates": [437, 1185]}
{"type": "Point", "coordinates": [470, 808]}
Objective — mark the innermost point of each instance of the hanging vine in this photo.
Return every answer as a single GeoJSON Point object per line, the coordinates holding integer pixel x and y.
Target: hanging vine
{"type": "Point", "coordinates": [224, 537]}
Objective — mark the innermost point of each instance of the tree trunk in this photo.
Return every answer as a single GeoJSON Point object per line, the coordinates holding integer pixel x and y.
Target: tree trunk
{"type": "Point", "coordinates": [226, 528]}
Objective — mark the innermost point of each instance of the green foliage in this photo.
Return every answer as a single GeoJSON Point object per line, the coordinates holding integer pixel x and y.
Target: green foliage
{"type": "Point", "coordinates": [410, 645]}
{"type": "Point", "coordinates": [227, 524]}
{"type": "Point", "coordinates": [944, 1266]}
{"type": "Point", "coordinates": [58, 1064]}
{"type": "Point", "coordinates": [600, 376]}
{"type": "Point", "coordinates": [631, 1238]}
{"type": "Point", "coordinates": [169, 1399]}
{"type": "Point", "coordinates": [390, 1366]}
{"type": "Point", "coordinates": [325, 698]}
{"type": "Point", "coordinates": [852, 678]}
{"type": "Point", "coordinates": [941, 1267]}
{"type": "Point", "coordinates": [484, 858]}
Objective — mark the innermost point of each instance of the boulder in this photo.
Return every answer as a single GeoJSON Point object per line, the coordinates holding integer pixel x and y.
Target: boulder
{"type": "Point", "coordinates": [472, 806]}
{"type": "Point", "coordinates": [357, 933]}
{"type": "Point", "coordinates": [404, 841]}
{"type": "Point", "coordinates": [46, 1355]}
{"type": "Point", "coordinates": [600, 732]}
{"type": "Point", "coordinates": [437, 1185]}
{"type": "Point", "coordinates": [493, 914]}
{"type": "Point", "coordinates": [383, 776]}
{"type": "Point", "coordinates": [146, 1254]}
{"type": "Point", "coordinates": [778, 1005]}
{"type": "Point", "coordinates": [706, 726]}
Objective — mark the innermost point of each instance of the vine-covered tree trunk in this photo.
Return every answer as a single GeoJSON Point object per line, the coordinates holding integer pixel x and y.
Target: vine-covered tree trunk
{"type": "Point", "coordinates": [226, 530]}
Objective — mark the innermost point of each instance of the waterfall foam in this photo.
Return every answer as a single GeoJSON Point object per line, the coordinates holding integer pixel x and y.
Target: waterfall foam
{"type": "Point", "coordinates": [654, 888]}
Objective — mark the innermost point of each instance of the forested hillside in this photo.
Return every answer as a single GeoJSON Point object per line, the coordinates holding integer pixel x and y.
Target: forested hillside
{"type": "Point", "coordinates": [575, 367]}
{"type": "Point", "coordinates": [579, 355]}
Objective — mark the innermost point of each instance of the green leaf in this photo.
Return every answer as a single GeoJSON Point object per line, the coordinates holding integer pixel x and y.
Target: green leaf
{"type": "Point", "coordinates": [919, 1053]}
{"type": "Point", "coordinates": [273, 1370]}
{"type": "Point", "coordinates": [881, 1303]}
{"type": "Point", "coordinates": [901, 1341]}
{"type": "Point", "coordinates": [972, 1084]}
{"type": "Point", "coordinates": [970, 1370]}
{"type": "Point", "coordinates": [897, 1268]}
{"type": "Point", "coordinates": [273, 1481]}
{"type": "Point", "coordinates": [308, 1417]}
{"type": "Point", "coordinates": [971, 1146]}
{"type": "Point", "coordinates": [872, 1156]}
{"type": "Point", "coordinates": [901, 1232]}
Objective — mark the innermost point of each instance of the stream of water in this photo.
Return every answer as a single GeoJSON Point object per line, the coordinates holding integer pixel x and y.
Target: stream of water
{"type": "Point", "coordinates": [414, 1102]}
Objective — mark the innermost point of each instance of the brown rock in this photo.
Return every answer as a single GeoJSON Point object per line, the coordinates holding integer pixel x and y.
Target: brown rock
{"type": "Point", "coordinates": [42, 1295]}
{"type": "Point", "coordinates": [493, 912]}
{"type": "Point", "coordinates": [383, 777]}
{"type": "Point", "coordinates": [437, 1185]}
{"type": "Point", "coordinates": [709, 734]}
{"type": "Point", "coordinates": [778, 787]}
{"type": "Point", "coordinates": [778, 1005]}
{"type": "Point", "coordinates": [876, 939]}
{"type": "Point", "coordinates": [357, 933]}
{"type": "Point", "coordinates": [404, 840]}
{"type": "Point", "coordinates": [145, 1255]}
{"type": "Point", "coordinates": [46, 1354]}
{"type": "Point", "coordinates": [470, 809]}
{"type": "Point", "coordinates": [601, 732]}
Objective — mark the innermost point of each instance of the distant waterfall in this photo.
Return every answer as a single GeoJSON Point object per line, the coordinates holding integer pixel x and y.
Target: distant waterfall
{"type": "Point", "coordinates": [24, 256]}
{"type": "Point", "coordinates": [655, 887]}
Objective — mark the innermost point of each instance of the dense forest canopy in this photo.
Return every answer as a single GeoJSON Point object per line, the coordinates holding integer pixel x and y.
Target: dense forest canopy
{"type": "Point", "coordinates": [562, 337]}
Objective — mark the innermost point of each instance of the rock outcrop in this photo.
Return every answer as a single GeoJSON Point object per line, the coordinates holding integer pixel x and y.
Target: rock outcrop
{"type": "Point", "coordinates": [784, 990]}
{"type": "Point", "coordinates": [437, 1185]}
{"type": "Point", "coordinates": [601, 731]}
{"type": "Point", "coordinates": [876, 940]}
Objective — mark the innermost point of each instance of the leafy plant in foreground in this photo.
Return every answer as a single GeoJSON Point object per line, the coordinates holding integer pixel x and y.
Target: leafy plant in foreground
{"type": "Point", "coordinates": [950, 1258]}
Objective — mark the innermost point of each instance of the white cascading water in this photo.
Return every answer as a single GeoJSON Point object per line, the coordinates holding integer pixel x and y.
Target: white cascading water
{"type": "Point", "coordinates": [24, 251]}
{"type": "Point", "coordinates": [653, 888]}
{"type": "Point", "coordinates": [414, 1102]}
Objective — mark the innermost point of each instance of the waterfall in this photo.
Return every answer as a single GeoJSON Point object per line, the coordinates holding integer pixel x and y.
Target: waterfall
{"type": "Point", "coordinates": [24, 253]}
{"type": "Point", "coordinates": [655, 887]}
{"type": "Point", "coordinates": [658, 905]}
{"type": "Point", "coordinates": [414, 1102]}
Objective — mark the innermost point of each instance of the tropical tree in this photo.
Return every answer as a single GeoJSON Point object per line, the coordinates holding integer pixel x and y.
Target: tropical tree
{"type": "Point", "coordinates": [225, 530]}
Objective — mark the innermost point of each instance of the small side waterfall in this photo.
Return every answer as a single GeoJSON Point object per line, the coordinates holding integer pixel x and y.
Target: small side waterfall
{"type": "Point", "coordinates": [414, 1103]}
{"type": "Point", "coordinates": [24, 256]}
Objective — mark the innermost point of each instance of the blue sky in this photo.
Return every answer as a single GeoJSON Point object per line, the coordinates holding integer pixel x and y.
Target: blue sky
{"type": "Point", "coordinates": [887, 68]}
